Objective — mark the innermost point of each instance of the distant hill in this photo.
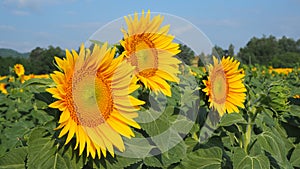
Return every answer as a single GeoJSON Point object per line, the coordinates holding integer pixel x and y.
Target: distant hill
{"type": "Point", "coordinates": [12, 53]}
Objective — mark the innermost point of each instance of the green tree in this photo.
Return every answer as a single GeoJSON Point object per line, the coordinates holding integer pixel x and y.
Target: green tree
{"type": "Point", "coordinates": [42, 59]}
{"type": "Point", "coordinates": [7, 62]}
{"type": "Point", "coordinates": [287, 45]}
{"type": "Point", "coordinates": [202, 56]}
{"type": "Point", "coordinates": [269, 51]}
{"type": "Point", "coordinates": [186, 54]}
{"type": "Point", "coordinates": [259, 51]}
{"type": "Point", "coordinates": [218, 51]}
{"type": "Point", "coordinates": [231, 50]}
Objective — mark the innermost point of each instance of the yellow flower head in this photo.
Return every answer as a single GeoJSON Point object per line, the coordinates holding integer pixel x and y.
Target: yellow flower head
{"type": "Point", "coordinates": [93, 94]}
{"type": "Point", "coordinates": [225, 86]}
{"type": "Point", "coordinates": [3, 85]}
{"type": "Point", "coordinates": [3, 88]}
{"type": "Point", "coordinates": [19, 69]}
{"type": "Point", "coordinates": [150, 48]}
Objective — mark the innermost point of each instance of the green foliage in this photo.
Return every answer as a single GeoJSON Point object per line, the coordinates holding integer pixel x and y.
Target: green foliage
{"type": "Point", "coordinates": [210, 158]}
{"type": "Point", "coordinates": [10, 62]}
{"type": "Point", "coordinates": [14, 159]}
{"type": "Point", "coordinates": [12, 53]}
{"type": "Point", "coordinates": [44, 152]}
{"type": "Point", "coordinates": [38, 61]}
{"type": "Point", "coordinates": [41, 60]}
{"type": "Point", "coordinates": [244, 161]}
{"type": "Point", "coordinates": [295, 158]}
{"type": "Point", "coordinates": [176, 132]}
{"type": "Point", "coordinates": [269, 51]}
{"type": "Point", "coordinates": [21, 111]}
{"type": "Point", "coordinates": [186, 54]}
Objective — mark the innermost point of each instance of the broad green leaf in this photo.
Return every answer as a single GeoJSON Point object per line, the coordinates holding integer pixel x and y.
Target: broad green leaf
{"type": "Point", "coordinates": [37, 81]}
{"type": "Point", "coordinates": [295, 158]}
{"type": "Point", "coordinates": [161, 129]}
{"type": "Point", "coordinates": [41, 116]}
{"type": "Point", "coordinates": [210, 158]}
{"type": "Point", "coordinates": [122, 162]}
{"type": "Point", "coordinates": [14, 159]}
{"type": "Point", "coordinates": [191, 143]}
{"type": "Point", "coordinates": [182, 124]}
{"type": "Point", "coordinates": [44, 153]}
{"type": "Point", "coordinates": [136, 147]}
{"type": "Point", "coordinates": [13, 135]}
{"type": "Point", "coordinates": [167, 158]}
{"type": "Point", "coordinates": [295, 109]}
{"type": "Point", "coordinates": [274, 145]}
{"type": "Point", "coordinates": [243, 161]}
{"type": "Point", "coordinates": [232, 118]}
{"type": "Point", "coordinates": [40, 104]}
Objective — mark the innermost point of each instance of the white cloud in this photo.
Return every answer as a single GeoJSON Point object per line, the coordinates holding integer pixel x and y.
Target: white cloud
{"type": "Point", "coordinates": [19, 46]}
{"type": "Point", "coordinates": [183, 29]}
{"type": "Point", "coordinates": [20, 12]}
{"type": "Point", "coordinates": [86, 25]}
{"type": "Point", "coordinates": [220, 22]}
{"type": "Point", "coordinates": [30, 5]}
{"type": "Point", "coordinates": [70, 12]}
{"type": "Point", "coordinates": [7, 28]}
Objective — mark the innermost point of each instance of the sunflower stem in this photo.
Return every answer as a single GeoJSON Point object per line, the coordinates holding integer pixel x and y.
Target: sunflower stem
{"type": "Point", "coordinates": [248, 134]}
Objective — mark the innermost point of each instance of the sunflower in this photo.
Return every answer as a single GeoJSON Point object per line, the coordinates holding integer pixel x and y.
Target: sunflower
{"type": "Point", "coordinates": [225, 86]}
{"type": "Point", "coordinates": [3, 85]}
{"type": "Point", "coordinates": [3, 88]}
{"type": "Point", "coordinates": [93, 90]}
{"type": "Point", "coordinates": [149, 48]}
{"type": "Point", "coordinates": [19, 69]}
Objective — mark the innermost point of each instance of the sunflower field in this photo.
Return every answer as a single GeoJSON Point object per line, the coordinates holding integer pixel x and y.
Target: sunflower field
{"type": "Point", "coordinates": [136, 105]}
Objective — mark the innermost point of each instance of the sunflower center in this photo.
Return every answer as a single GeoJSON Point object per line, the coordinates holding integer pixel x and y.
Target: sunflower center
{"type": "Point", "coordinates": [219, 87]}
{"type": "Point", "coordinates": [92, 99]}
{"type": "Point", "coordinates": [143, 55]}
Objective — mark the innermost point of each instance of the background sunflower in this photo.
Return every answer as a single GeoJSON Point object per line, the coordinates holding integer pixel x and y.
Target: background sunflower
{"type": "Point", "coordinates": [224, 85]}
{"type": "Point", "coordinates": [149, 48]}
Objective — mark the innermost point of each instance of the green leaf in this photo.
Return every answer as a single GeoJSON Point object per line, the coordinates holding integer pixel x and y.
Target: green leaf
{"type": "Point", "coordinates": [232, 118]}
{"type": "Point", "coordinates": [174, 155]}
{"type": "Point", "coordinates": [13, 135]}
{"type": "Point", "coordinates": [121, 162]}
{"type": "Point", "coordinates": [295, 110]}
{"type": "Point", "coordinates": [137, 147]}
{"type": "Point", "coordinates": [36, 81]}
{"type": "Point", "coordinates": [159, 129]}
{"type": "Point", "coordinates": [164, 127]}
{"type": "Point", "coordinates": [243, 161]}
{"type": "Point", "coordinates": [14, 159]}
{"type": "Point", "coordinates": [295, 157]}
{"type": "Point", "coordinates": [271, 142]}
{"type": "Point", "coordinates": [44, 153]}
{"type": "Point", "coordinates": [210, 158]}
{"type": "Point", "coordinates": [41, 116]}
{"type": "Point", "coordinates": [191, 143]}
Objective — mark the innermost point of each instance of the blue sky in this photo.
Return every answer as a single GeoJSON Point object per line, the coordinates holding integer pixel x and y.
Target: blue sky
{"type": "Point", "coordinates": [26, 24]}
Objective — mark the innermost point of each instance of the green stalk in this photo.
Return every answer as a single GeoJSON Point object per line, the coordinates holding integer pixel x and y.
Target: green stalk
{"type": "Point", "coordinates": [248, 135]}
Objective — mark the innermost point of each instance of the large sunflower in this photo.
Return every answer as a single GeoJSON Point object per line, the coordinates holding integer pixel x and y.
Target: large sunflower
{"type": "Point", "coordinates": [225, 86]}
{"type": "Point", "coordinates": [149, 48]}
{"type": "Point", "coordinates": [93, 94]}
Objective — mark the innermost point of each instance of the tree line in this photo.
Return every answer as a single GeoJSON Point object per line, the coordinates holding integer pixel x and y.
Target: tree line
{"type": "Point", "coordinates": [40, 61]}
{"type": "Point", "coordinates": [268, 51]}
{"type": "Point", "coordinates": [283, 52]}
